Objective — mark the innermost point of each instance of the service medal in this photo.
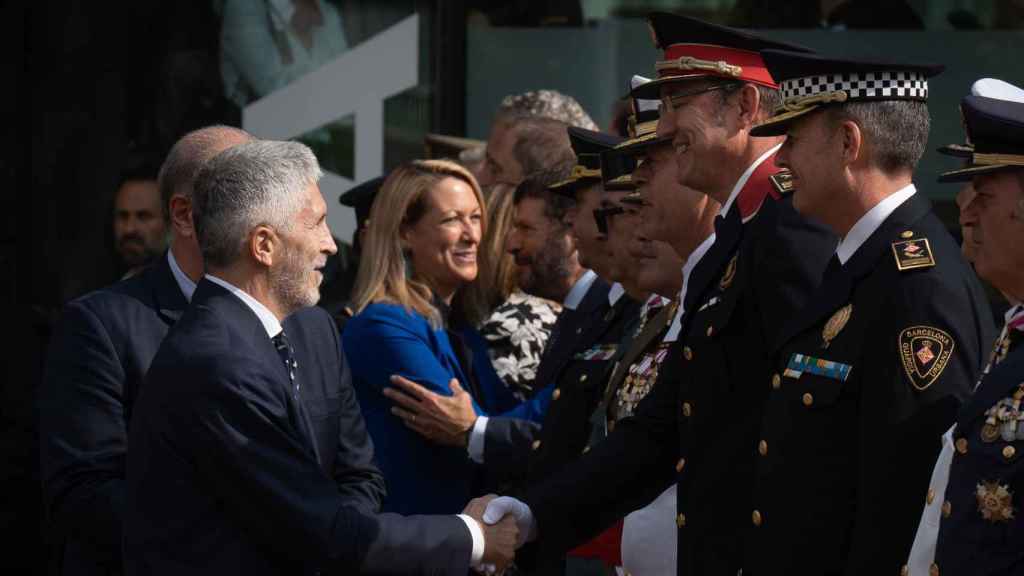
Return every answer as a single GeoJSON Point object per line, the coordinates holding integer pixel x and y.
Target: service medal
{"type": "Point", "coordinates": [995, 502]}
{"type": "Point", "coordinates": [835, 325]}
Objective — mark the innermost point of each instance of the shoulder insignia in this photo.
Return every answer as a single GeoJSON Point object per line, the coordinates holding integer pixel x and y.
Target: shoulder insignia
{"type": "Point", "coordinates": [782, 181]}
{"type": "Point", "coordinates": [729, 274]}
{"type": "Point", "coordinates": [912, 254]}
{"type": "Point", "coordinates": [925, 352]}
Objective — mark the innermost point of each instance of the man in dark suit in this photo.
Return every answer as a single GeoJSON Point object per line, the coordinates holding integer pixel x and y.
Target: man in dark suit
{"type": "Point", "coordinates": [99, 354]}
{"type": "Point", "coordinates": [225, 470]}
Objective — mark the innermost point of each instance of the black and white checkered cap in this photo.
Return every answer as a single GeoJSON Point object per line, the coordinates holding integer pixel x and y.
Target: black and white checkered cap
{"type": "Point", "coordinates": [894, 85]}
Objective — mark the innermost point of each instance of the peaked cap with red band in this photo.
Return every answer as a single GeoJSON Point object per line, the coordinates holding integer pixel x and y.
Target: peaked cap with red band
{"type": "Point", "coordinates": [697, 49]}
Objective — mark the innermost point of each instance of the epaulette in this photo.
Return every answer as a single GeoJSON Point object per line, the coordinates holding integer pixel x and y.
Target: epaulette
{"type": "Point", "coordinates": [782, 181]}
{"type": "Point", "coordinates": [912, 253]}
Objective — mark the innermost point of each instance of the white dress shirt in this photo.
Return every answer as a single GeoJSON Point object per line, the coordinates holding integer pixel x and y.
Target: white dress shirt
{"type": "Point", "coordinates": [188, 287]}
{"type": "Point", "coordinates": [677, 323]}
{"type": "Point", "coordinates": [579, 290]}
{"type": "Point", "coordinates": [869, 222]}
{"type": "Point", "coordinates": [743, 181]}
{"type": "Point", "coordinates": [614, 293]}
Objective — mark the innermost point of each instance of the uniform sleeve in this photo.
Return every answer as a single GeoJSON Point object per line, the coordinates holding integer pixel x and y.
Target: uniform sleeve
{"type": "Point", "coordinates": [918, 371]}
{"type": "Point", "coordinates": [83, 433]}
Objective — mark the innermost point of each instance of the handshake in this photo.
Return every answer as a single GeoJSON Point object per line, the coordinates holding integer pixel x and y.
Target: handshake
{"type": "Point", "coordinates": [506, 523]}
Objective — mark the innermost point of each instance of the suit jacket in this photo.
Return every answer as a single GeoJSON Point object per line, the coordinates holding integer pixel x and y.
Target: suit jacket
{"type": "Point", "coordinates": [695, 426]}
{"type": "Point", "coordinates": [99, 353]}
{"type": "Point", "coordinates": [982, 529]}
{"type": "Point", "coordinates": [225, 473]}
{"type": "Point", "coordinates": [422, 477]}
{"type": "Point", "coordinates": [859, 437]}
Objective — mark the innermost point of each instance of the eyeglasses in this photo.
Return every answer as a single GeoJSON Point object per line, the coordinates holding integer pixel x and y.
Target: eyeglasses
{"type": "Point", "coordinates": [601, 216]}
{"type": "Point", "coordinates": [671, 101]}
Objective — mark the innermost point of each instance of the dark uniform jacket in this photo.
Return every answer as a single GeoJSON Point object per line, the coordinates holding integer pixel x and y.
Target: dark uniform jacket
{"type": "Point", "coordinates": [870, 375]}
{"type": "Point", "coordinates": [982, 528]}
{"type": "Point", "coordinates": [695, 425]}
{"type": "Point", "coordinates": [508, 441]}
{"type": "Point", "coordinates": [226, 464]}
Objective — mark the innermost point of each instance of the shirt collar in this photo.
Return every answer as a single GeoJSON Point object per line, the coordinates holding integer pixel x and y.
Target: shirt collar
{"type": "Point", "coordinates": [270, 322]}
{"type": "Point", "coordinates": [673, 332]}
{"type": "Point", "coordinates": [870, 222]}
{"type": "Point", "coordinates": [188, 287]}
{"type": "Point", "coordinates": [746, 176]}
{"type": "Point", "coordinates": [579, 289]}
{"type": "Point", "coordinates": [615, 293]}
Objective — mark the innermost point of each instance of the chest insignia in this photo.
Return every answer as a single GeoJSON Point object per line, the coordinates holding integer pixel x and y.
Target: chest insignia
{"type": "Point", "coordinates": [730, 273]}
{"type": "Point", "coordinates": [913, 254]}
{"type": "Point", "coordinates": [598, 352]}
{"type": "Point", "coordinates": [711, 302]}
{"type": "Point", "coordinates": [835, 325]}
{"type": "Point", "coordinates": [1005, 419]}
{"type": "Point", "coordinates": [800, 363]}
{"type": "Point", "coordinates": [995, 502]}
{"type": "Point", "coordinates": [924, 352]}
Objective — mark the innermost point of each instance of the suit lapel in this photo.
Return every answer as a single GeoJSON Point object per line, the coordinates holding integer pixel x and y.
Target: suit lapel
{"type": "Point", "coordinates": [728, 233]}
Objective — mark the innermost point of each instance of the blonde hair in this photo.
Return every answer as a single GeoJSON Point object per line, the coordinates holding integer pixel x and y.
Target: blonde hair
{"type": "Point", "coordinates": [401, 202]}
{"type": "Point", "coordinates": [496, 280]}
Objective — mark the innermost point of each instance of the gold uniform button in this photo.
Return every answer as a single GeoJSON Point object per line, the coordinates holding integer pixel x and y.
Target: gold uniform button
{"type": "Point", "coordinates": [586, 449]}
{"type": "Point", "coordinates": [556, 394]}
{"type": "Point", "coordinates": [583, 378]}
{"type": "Point", "coordinates": [907, 234]}
{"type": "Point", "coordinates": [1009, 452]}
{"type": "Point", "coordinates": [680, 464]}
{"type": "Point", "coordinates": [808, 399]}
{"type": "Point", "coordinates": [961, 445]}
{"type": "Point", "coordinates": [947, 509]}
{"type": "Point", "coordinates": [687, 353]}
{"type": "Point", "coordinates": [933, 570]}
{"type": "Point", "coordinates": [762, 448]}
{"type": "Point", "coordinates": [931, 496]}
{"type": "Point", "coordinates": [687, 410]}
{"type": "Point", "coordinates": [536, 444]}
{"type": "Point", "coordinates": [711, 330]}
{"type": "Point", "coordinates": [776, 381]}
{"type": "Point", "coordinates": [681, 520]}
{"type": "Point", "coordinates": [756, 518]}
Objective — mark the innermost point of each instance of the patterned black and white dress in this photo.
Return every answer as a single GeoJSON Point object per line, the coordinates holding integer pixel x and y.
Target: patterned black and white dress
{"type": "Point", "coordinates": [516, 333]}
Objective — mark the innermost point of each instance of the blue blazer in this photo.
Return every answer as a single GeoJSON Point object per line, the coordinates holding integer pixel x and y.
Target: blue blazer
{"type": "Point", "coordinates": [422, 477]}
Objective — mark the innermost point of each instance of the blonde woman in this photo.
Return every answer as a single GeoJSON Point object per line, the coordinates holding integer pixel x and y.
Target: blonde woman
{"type": "Point", "coordinates": [421, 249]}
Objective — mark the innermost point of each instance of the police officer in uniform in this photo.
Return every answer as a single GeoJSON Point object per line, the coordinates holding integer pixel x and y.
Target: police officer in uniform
{"type": "Point", "coordinates": [696, 425]}
{"type": "Point", "coordinates": [871, 372]}
{"type": "Point", "coordinates": [976, 500]}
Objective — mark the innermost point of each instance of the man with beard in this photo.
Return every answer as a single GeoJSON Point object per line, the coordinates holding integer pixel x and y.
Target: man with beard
{"type": "Point", "coordinates": [696, 426]}
{"type": "Point", "coordinates": [140, 223]}
{"type": "Point", "coordinates": [224, 450]}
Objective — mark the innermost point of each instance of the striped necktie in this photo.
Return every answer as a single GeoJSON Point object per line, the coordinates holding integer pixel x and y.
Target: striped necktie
{"type": "Point", "coordinates": [284, 349]}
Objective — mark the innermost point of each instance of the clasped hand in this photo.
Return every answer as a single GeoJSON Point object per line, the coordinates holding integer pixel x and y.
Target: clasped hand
{"type": "Point", "coordinates": [507, 524]}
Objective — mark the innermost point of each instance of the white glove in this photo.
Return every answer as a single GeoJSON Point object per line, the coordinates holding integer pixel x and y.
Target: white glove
{"type": "Point", "coordinates": [504, 505]}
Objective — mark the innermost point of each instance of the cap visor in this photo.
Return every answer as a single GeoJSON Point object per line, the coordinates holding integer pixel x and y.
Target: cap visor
{"type": "Point", "coordinates": [957, 150]}
{"type": "Point", "coordinates": [778, 125]}
{"type": "Point", "coordinates": [965, 174]}
{"type": "Point", "coordinates": [637, 146]}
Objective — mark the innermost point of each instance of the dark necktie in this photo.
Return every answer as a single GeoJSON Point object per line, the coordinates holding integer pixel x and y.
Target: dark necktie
{"type": "Point", "coordinates": [284, 349]}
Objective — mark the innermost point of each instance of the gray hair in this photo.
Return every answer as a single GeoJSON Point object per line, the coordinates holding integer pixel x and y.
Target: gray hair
{"type": "Point", "coordinates": [187, 156]}
{"type": "Point", "coordinates": [549, 104]}
{"type": "Point", "coordinates": [260, 182]}
{"type": "Point", "coordinates": [541, 145]}
{"type": "Point", "coordinates": [896, 129]}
